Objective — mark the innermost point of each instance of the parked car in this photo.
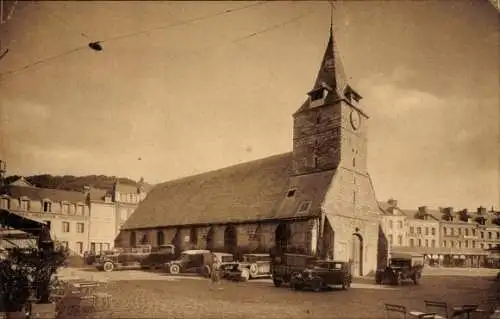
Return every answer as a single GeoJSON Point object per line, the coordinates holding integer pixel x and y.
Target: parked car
{"type": "Point", "coordinates": [323, 274]}
{"type": "Point", "coordinates": [197, 261]}
{"type": "Point", "coordinates": [252, 266]}
{"type": "Point", "coordinates": [284, 266]}
{"type": "Point", "coordinates": [401, 267]}
{"type": "Point", "coordinates": [158, 257]}
{"type": "Point", "coordinates": [123, 258]}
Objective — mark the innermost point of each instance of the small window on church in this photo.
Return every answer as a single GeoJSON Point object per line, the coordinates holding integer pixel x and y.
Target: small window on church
{"type": "Point", "coordinates": [291, 193]}
{"type": "Point", "coordinates": [315, 161]}
{"type": "Point", "coordinates": [317, 95]}
{"type": "Point", "coordinates": [304, 206]}
{"type": "Point", "coordinates": [354, 162]}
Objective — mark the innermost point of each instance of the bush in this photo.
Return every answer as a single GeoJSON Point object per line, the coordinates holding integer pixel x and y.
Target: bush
{"type": "Point", "coordinates": [28, 271]}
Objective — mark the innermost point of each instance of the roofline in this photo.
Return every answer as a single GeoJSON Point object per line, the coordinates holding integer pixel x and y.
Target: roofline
{"type": "Point", "coordinates": [267, 220]}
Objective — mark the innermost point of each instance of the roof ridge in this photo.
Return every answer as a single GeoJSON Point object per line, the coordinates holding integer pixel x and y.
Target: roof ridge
{"type": "Point", "coordinates": [187, 178]}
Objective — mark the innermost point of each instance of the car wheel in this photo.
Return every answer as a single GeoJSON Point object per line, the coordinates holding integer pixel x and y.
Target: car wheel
{"type": "Point", "coordinates": [245, 275]}
{"type": "Point", "coordinates": [316, 285]}
{"type": "Point", "coordinates": [206, 271]}
{"type": "Point", "coordinates": [108, 266]}
{"type": "Point", "coordinates": [346, 284]}
{"type": "Point", "coordinates": [254, 270]}
{"type": "Point", "coordinates": [174, 269]}
{"type": "Point", "coordinates": [277, 282]}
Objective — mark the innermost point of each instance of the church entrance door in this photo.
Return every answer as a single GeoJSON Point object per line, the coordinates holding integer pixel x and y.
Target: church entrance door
{"type": "Point", "coordinates": [357, 255]}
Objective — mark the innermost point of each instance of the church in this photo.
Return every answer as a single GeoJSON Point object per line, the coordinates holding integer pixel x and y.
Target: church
{"type": "Point", "coordinates": [316, 199]}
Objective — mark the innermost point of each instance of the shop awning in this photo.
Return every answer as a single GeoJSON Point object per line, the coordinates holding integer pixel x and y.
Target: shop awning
{"type": "Point", "coordinates": [38, 228]}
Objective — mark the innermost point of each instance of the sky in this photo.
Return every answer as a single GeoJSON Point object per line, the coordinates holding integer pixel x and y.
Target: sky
{"type": "Point", "coordinates": [199, 96]}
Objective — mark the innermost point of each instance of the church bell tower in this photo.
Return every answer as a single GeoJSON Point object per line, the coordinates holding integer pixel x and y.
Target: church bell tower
{"type": "Point", "coordinates": [329, 128]}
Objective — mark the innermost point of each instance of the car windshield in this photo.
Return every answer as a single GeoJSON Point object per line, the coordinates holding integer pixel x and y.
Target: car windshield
{"type": "Point", "coordinates": [227, 259]}
{"type": "Point", "coordinates": [185, 257]}
{"type": "Point", "coordinates": [253, 258]}
{"type": "Point", "coordinates": [400, 262]}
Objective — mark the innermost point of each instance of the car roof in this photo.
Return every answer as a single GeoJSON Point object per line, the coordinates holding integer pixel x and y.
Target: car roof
{"type": "Point", "coordinates": [195, 251]}
{"type": "Point", "coordinates": [221, 254]}
{"type": "Point", "coordinates": [259, 255]}
{"type": "Point", "coordinates": [405, 255]}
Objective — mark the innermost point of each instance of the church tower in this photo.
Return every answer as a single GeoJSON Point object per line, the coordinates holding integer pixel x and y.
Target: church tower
{"type": "Point", "coordinates": [329, 128]}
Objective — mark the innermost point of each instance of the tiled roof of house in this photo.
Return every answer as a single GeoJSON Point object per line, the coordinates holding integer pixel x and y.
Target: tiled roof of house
{"type": "Point", "coordinates": [35, 193]}
{"type": "Point", "coordinates": [97, 194]}
{"type": "Point", "coordinates": [250, 191]}
{"type": "Point", "coordinates": [389, 209]}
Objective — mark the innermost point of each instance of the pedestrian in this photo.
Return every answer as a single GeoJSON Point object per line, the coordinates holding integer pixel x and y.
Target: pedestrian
{"type": "Point", "coordinates": [215, 270]}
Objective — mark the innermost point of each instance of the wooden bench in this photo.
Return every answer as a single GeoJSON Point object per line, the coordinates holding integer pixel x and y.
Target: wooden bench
{"type": "Point", "coordinates": [400, 312]}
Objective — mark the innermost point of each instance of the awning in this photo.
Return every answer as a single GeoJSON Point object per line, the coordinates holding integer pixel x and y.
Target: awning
{"type": "Point", "coordinates": [22, 223]}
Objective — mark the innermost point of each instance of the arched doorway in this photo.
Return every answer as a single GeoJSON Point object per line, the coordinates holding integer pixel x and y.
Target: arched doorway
{"type": "Point", "coordinates": [160, 238]}
{"type": "Point", "coordinates": [230, 239]}
{"type": "Point", "coordinates": [282, 236]}
{"type": "Point", "coordinates": [177, 240]}
{"type": "Point", "coordinates": [132, 239]}
{"type": "Point", "coordinates": [145, 239]}
{"type": "Point", "coordinates": [210, 239]}
{"type": "Point", "coordinates": [357, 255]}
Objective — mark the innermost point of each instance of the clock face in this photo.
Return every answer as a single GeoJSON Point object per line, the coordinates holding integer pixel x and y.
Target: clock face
{"type": "Point", "coordinates": [355, 119]}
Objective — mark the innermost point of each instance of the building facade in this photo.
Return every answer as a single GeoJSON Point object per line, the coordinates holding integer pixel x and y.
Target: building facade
{"type": "Point", "coordinates": [316, 199]}
{"type": "Point", "coordinates": [394, 224]}
{"type": "Point", "coordinates": [446, 237]}
{"type": "Point", "coordinates": [80, 221]}
{"type": "Point", "coordinates": [66, 213]}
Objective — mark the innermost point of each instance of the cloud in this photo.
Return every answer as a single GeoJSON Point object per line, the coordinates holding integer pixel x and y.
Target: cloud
{"type": "Point", "coordinates": [424, 147]}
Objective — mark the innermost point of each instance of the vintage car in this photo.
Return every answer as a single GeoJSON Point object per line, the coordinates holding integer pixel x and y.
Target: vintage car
{"type": "Point", "coordinates": [285, 265]}
{"type": "Point", "coordinates": [252, 266]}
{"type": "Point", "coordinates": [123, 258]}
{"type": "Point", "coordinates": [158, 257]}
{"type": "Point", "coordinates": [197, 261]}
{"type": "Point", "coordinates": [401, 267]}
{"type": "Point", "coordinates": [323, 274]}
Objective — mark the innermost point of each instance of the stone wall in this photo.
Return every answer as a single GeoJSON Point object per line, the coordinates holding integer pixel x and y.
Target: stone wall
{"type": "Point", "coordinates": [256, 237]}
{"type": "Point", "coordinates": [351, 209]}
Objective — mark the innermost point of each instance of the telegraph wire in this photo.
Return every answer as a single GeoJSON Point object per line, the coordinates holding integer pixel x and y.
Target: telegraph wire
{"type": "Point", "coordinates": [69, 52]}
{"type": "Point", "coordinates": [274, 27]}
{"type": "Point", "coordinates": [182, 22]}
{"type": "Point", "coordinates": [96, 45]}
{"type": "Point", "coordinates": [63, 21]}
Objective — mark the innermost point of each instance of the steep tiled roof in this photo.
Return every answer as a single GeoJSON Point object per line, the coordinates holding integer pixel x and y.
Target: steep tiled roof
{"type": "Point", "coordinates": [330, 75]}
{"type": "Point", "coordinates": [246, 192]}
{"type": "Point", "coordinates": [35, 193]}
{"type": "Point", "coordinates": [389, 209]}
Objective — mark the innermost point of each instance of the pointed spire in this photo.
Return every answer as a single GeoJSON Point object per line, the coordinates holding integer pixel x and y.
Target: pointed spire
{"type": "Point", "coordinates": [331, 72]}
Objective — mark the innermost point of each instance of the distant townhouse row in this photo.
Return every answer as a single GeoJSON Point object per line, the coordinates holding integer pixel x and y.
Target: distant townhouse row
{"type": "Point", "coordinates": [81, 221]}
{"type": "Point", "coordinates": [443, 235]}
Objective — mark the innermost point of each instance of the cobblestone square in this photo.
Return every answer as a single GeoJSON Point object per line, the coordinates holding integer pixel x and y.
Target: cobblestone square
{"type": "Point", "coordinates": [139, 294]}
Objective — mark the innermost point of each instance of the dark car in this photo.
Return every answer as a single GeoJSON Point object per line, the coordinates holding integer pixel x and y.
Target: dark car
{"type": "Point", "coordinates": [158, 257]}
{"type": "Point", "coordinates": [122, 258]}
{"type": "Point", "coordinates": [285, 265]}
{"type": "Point", "coordinates": [198, 261]}
{"type": "Point", "coordinates": [252, 266]}
{"type": "Point", "coordinates": [401, 267]}
{"type": "Point", "coordinates": [323, 274]}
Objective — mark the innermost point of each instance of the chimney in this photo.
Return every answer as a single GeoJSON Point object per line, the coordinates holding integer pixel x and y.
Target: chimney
{"type": "Point", "coordinates": [392, 202]}
{"type": "Point", "coordinates": [422, 210]}
{"type": "Point", "coordinates": [481, 210]}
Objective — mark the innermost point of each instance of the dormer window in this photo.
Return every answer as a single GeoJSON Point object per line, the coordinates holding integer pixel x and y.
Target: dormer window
{"type": "Point", "coordinates": [304, 207]}
{"type": "Point", "coordinates": [291, 192]}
